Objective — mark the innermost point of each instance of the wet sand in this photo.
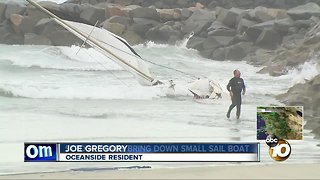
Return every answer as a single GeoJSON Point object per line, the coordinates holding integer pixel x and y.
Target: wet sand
{"type": "Point", "coordinates": [271, 171]}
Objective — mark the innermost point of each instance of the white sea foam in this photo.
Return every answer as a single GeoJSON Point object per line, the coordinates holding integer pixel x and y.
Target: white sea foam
{"type": "Point", "coordinates": [80, 92]}
{"type": "Point", "coordinates": [63, 58]}
{"type": "Point", "coordinates": [304, 72]}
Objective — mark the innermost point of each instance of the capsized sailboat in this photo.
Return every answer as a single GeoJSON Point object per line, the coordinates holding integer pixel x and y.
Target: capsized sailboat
{"type": "Point", "coordinates": [114, 47]}
{"type": "Point", "coordinates": [118, 50]}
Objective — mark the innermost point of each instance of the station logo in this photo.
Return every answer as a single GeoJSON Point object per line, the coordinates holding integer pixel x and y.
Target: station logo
{"type": "Point", "coordinates": [40, 152]}
{"type": "Point", "coordinates": [279, 149]}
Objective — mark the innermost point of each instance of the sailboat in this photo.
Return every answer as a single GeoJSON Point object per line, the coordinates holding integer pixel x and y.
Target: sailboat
{"type": "Point", "coordinates": [118, 50]}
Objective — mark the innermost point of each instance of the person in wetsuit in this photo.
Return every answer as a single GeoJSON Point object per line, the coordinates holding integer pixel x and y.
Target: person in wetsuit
{"type": "Point", "coordinates": [235, 87]}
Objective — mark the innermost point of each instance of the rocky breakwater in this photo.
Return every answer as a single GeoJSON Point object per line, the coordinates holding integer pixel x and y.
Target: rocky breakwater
{"type": "Point", "coordinates": [21, 23]}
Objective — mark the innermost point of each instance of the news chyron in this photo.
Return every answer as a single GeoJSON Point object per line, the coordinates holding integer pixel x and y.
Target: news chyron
{"type": "Point", "coordinates": [277, 125]}
{"type": "Point", "coordinates": [146, 152]}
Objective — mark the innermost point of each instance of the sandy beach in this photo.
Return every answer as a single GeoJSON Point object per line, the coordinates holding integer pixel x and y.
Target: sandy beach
{"type": "Point", "coordinates": [273, 171]}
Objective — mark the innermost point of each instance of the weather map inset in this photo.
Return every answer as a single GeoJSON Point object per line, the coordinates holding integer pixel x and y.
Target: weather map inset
{"type": "Point", "coordinates": [283, 122]}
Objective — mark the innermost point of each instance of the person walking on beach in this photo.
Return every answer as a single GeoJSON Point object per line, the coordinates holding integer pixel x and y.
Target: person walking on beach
{"type": "Point", "coordinates": [235, 87]}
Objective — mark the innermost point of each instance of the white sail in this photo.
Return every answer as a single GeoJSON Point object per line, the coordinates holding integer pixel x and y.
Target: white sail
{"type": "Point", "coordinates": [114, 47]}
{"type": "Point", "coordinates": [109, 44]}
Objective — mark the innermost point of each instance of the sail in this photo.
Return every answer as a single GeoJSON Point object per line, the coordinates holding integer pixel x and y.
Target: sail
{"type": "Point", "coordinates": [114, 47]}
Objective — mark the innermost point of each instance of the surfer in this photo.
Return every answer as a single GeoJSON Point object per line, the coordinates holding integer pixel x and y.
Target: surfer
{"type": "Point", "coordinates": [235, 87]}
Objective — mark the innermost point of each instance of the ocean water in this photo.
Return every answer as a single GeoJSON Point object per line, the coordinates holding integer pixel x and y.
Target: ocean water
{"type": "Point", "coordinates": [53, 94]}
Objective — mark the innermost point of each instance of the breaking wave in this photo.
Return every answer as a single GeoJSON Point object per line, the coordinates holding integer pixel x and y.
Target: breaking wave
{"type": "Point", "coordinates": [305, 72]}
{"type": "Point", "coordinates": [59, 58]}
{"type": "Point", "coordinates": [83, 92]}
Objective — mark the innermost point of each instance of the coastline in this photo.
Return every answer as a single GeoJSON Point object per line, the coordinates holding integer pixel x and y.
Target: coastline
{"type": "Point", "coordinates": [266, 171]}
{"type": "Point", "coordinates": [276, 36]}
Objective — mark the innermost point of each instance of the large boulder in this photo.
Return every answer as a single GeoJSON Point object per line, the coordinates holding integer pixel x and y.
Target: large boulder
{"type": "Point", "coordinates": [63, 38]}
{"type": "Point", "coordinates": [304, 11]}
{"type": "Point", "coordinates": [46, 26]}
{"type": "Point", "coordinates": [238, 38]}
{"type": "Point", "coordinates": [124, 2]}
{"type": "Point", "coordinates": [16, 20]}
{"type": "Point", "coordinates": [206, 53]}
{"type": "Point", "coordinates": [162, 33]}
{"type": "Point", "coordinates": [4, 29]}
{"type": "Point", "coordinates": [288, 59]}
{"type": "Point", "coordinates": [27, 24]}
{"type": "Point", "coordinates": [50, 5]}
{"type": "Point", "coordinates": [219, 29]}
{"type": "Point", "coordinates": [229, 17]}
{"type": "Point", "coordinates": [238, 51]}
{"type": "Point", "coordinates": [260, 57]}
{"type": "Point", "coordinates": [306, 94]}
{"type": "Point", "coordinates": [35, 14]}
{"type": "Point", "coordinates": [313, 35]}
{"type": "Point", "coordinates": [11, 38]}
{"type": "Point", "coordinates": [103, 4]}
{"type": "Point", "coordinates": [142, 25]}
{"type": "Point", "coordinates": [269, 39]}
{"type": "Point", "coordinates": [127, 9]}
{"type": "Point", "coordinates": [115, 28]}
{"type": "Point", "coordinates": [144, 12]}
{"type": "Point", "coordinates": [13, 7]}
{"type": "Point", "coordinates": [292, 41]}
{"type": "Point", "coordinates": [195, 42]}
{"type": "Point", "coordinates": [91, 15]}
{"type": "Point", "coordinates": [213, 42]}
{"type": "Point", "coordinates": [183, 3]}
{"type": "Point", "coordinates": [199, 21]}
{"type": "Point", "coordinates": [283, 25]}
{"type": "Point", "coordinates": [219, 54]}
{"type": "Point", "coordinates": [55, 8]}
{"type": "Point", "coordinates": [71, 9]}
{"type": "Point", "coordinates": [114, 10]}
{"type": "Point", "coordinates": [254, 31]}
{"type": "Point", "coordinates": [263, 14]}
{"type": "Point", "coordinates": [302, 24]}
{"type": "Point", "coordinates": [169, 14]}
{"type": "Point", "coordinates": [2, 11]}
{"type": "Point", "coordinates": [244, 24]}
{"type": "Point", "coordinates": [132, 38]}
{"type": "Point", "coordinates": [186, 13]}
{"type": "Point", "coordinates": [119, 19]}
{"type": "Point", "coordinates": [260, 14]}
{"type": "Point", "coordinates": [7, 36]}
{"type": "Point", "coordinates": [34, 39]}
{"type": "Point", "coordinates": [33, 17]}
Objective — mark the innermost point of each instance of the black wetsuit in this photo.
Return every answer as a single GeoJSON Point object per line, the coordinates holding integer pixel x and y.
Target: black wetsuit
{"type": "Point", "coordinates": [236, 86]}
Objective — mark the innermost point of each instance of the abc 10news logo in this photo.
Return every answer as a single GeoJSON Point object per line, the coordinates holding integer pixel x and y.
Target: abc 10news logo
{"type": "Point", "coordinates": [279, 149]}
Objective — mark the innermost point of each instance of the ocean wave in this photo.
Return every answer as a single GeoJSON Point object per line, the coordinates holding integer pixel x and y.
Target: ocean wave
{"type": "Point", "coordinates": [7, 93]}
{"type": "Point", "coordinates": [304, 72]}
{"type": "Point", "coordinates": [182, 45]}
{"type": "Point", "coordinates": [96, 116]}
{"type": "Point", "coordinates": [61, 58]}
{"type": "Point", "coordinates": [81, 92]}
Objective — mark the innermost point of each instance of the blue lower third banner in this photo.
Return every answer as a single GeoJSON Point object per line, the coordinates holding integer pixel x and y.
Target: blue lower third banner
{"type": "Point", "coordinates": [142, 152]}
